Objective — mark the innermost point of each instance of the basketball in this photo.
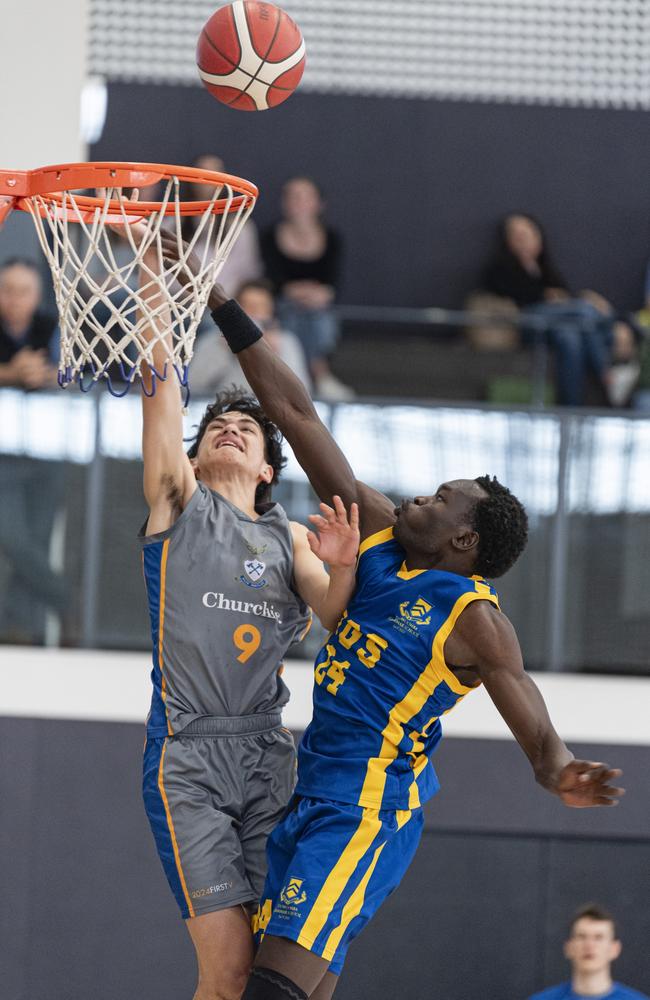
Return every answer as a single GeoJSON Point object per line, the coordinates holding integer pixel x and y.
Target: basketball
{"type": "Point", "coordinates": [250, 55]}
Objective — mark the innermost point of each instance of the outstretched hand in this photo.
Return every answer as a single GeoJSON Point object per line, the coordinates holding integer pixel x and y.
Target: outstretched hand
{"type": "Point", "coordinates": [584, 783]}
{"type": "Point", "coordinates": [337, 539]}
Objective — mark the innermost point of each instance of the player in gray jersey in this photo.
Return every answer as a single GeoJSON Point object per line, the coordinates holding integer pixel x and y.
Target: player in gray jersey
{"type": "Point", "coordinates": [230, 581]}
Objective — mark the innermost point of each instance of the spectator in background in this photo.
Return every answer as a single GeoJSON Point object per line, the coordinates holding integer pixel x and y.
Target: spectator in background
{"type": "Point", "coordinates": [591, 948]}
{"type": "Point", "coordinates": [583, 330]}
{"type": "Point", "coordinates": [30, 491]}
{"type": "Point", "coordinates": [302, 258]}
{"type": "Point", "coordinates": [244, 262]}
{"type": "Point", "coordinates": [214, 367]}
{"type": "Point", "coordinates": [28, 342]}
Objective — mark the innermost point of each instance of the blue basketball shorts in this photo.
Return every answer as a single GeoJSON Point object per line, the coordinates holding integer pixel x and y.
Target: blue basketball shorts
{"type": "Point", "coordinates": [330, 867]}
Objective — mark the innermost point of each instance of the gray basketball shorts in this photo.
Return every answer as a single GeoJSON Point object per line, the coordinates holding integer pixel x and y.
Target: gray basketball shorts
{"type": "Point", "coordinates": [212, 797]}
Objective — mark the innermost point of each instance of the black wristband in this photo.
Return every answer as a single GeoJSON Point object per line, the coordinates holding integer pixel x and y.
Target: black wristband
{"type": "Point", "coordinates": [238, 328]}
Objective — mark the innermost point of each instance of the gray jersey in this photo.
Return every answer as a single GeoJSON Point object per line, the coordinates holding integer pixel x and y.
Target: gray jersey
{"type": "Point", "coordinates": [223, 612]}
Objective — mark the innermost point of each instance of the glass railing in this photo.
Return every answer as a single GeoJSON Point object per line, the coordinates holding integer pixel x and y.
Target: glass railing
{"type": "Point", "coordinates": [71, 504]}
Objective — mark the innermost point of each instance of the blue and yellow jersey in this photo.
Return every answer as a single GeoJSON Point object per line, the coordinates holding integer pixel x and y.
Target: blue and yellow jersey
{"type": "Point", "coordinates": [382, 684]}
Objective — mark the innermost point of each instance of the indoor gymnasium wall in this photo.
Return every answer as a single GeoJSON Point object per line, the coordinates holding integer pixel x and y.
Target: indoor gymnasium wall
{"type": "Point", "coordinates": [417, 186]}
{"type": "Point", "coordinates": [41, 82]}
{"type": "Point", "coordinates": [480, 916]}
{"type": "Point", "coordinates": [42, 73]}
{"type": "Point", "coordinates": [425, 122]}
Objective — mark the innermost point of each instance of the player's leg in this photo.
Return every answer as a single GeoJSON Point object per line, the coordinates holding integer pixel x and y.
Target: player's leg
{"type": "Point", "coordinates": [328, 984]}
{"type": "Point", "coordinates": [267, 763]}
{"type": "Point", "coordinates": [309, 972]}
{"type": "Point", "coordinates": [347, 861]}
{"type": "Point", "coordinates": [302, 968]}
{"type": "Point", "coordinates": [224, 952]}
{"type": "Point", "coordinates": [199, 848]}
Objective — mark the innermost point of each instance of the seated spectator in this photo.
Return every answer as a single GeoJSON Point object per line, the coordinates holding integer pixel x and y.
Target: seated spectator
{"type": "Point", "coordinates": [583, 330]}
{"type": "Point", "coordinates": [302, 259]}
{"type": "Point", "coordinates": [244, 263]}
{"type": "Point", "coordinates": [591, 948]}
{"type": "Point", "coordinates": [28, 338]}
{"type": "Point", "coordinates": [30, 491]}
{"type": "Point", "coordinates": [214, 367]}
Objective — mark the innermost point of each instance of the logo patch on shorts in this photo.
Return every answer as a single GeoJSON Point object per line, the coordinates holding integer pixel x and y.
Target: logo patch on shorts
{"type": "Point", "coordinates": [210, 889]}
{"type": "Point", "coordinates": [293, 893]}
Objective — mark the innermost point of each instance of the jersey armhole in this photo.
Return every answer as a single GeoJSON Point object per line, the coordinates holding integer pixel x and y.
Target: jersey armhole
{"type": "Point", "coordinates": [185, 514]}
{"type": "Point", "coordinates": [438, 648]}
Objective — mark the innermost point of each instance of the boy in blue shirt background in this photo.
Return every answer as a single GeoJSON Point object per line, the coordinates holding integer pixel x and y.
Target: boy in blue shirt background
{"type": "Point", "coordinates": [591, 948]}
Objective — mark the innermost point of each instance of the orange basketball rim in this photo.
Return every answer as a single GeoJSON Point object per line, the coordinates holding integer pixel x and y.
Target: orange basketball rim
{"type": "Point", "coordinates": [107, 321]}
{"type": "Point", "coordinates": [18, 187]}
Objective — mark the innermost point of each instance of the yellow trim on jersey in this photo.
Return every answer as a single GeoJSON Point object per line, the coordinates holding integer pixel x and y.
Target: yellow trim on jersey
{"type": "Point", "coordinates": [414, 791]}
{"type": "Point", "coordinates": [484, 590]}
{"type": "Point", "coordinates": [161, 628]}
{"type": "Point", "coordinates": [307, 626]}
{"type": "Point", "coordinates": [339, 876]}
{"type": "Point", "coordinates": [413, 702]}
{"type": "Point", "coordinates": [379, 537]}
{"type": "Point", "coordinates": [438, 650]}
{"type": "Point", "coordinates": [172, 832]}
{"type": "Point", "coordinates": [409, 574]}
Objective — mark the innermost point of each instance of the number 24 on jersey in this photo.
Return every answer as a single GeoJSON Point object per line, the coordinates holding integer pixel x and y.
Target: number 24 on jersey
{"type": "Point", "coordinates": [367, 648]}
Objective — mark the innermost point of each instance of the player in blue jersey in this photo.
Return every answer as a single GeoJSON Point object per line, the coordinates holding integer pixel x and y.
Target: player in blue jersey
{"type": "Point", "coordinates": [591, 948]}
{"type": "Point", "coordinates": [422, 630]}
{"type": "Point", "coordinates": [229, 581]}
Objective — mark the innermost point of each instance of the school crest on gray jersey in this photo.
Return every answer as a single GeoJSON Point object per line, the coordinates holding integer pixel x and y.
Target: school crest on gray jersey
{"type": "Point", "coordinates": [255, 573]}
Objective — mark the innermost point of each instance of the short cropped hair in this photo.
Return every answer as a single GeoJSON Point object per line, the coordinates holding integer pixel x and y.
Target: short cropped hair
{"type": "Point", "coordinates": [502, 525]}
{"type": "Point", "coordinates": [592, 911]}
{"type": "Point", "coordinates": [234, 399]}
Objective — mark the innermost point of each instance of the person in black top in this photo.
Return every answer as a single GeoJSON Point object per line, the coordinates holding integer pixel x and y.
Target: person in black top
{"type": "Point", "coordinates": [302, 260]}
{"type": "Point", "coordinates": [579, 328]}
{"type": "Point", "coordinates": [30, 491]}
{"type": "Point", "coordinates": [26, 335]}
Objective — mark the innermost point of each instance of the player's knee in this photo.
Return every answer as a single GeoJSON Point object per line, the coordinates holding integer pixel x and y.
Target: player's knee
{"type": "Point", "coordinates": [229, 985]}
{"type": "Point", "coordinates": [266, 984]}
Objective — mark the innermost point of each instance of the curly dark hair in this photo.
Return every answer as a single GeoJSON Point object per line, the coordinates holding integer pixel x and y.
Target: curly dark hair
{"type": "Point", "coordinates": [502, 525]}
{"type": "Point", "coordinates": [236, 399]}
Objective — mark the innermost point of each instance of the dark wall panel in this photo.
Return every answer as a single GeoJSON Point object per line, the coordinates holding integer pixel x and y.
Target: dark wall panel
{"type": "Point", "coordinates": [619, 879]}
{"type": "Point", "coordinates": [457, 926]}
{"type": "Point", "coordinates": [417, 186]}
{"type": "Point", "coordinates": [488, 786]}
{"type": "Point", "coordinates": [87, 913]}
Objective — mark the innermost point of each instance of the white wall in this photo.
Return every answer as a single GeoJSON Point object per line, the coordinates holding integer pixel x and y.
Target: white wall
{"type": "Point", "coordinates": [42, 69]}
{"type": "Point", "coordinates": [115, 687]}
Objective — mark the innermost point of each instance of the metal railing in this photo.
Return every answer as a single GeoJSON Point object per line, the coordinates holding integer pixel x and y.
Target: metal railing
{"type": "Point", "coordinates": [578, 595]}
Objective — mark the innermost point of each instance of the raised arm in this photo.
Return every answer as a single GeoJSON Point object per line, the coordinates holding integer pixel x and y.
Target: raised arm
{"type": "Point", "coordinates": [169, 480]}
{"type": "Point", "coordinates": [287, 402]}
{"type": "Point", "coordinates": [484, 637]}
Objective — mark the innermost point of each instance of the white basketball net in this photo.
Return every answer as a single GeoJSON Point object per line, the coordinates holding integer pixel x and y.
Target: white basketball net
{"type": "Point", "coordinates": [104, 286]}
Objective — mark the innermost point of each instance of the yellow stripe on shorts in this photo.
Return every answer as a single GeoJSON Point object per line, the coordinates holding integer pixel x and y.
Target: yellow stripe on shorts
{"type": "Point", "coordinates": [339, 876]}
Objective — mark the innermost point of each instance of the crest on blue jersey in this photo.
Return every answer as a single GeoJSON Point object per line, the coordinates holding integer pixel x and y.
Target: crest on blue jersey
{"type": "Point", "coordinates": [418, 612]}
{"type": "Point", "coordinates": [254, 574]}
